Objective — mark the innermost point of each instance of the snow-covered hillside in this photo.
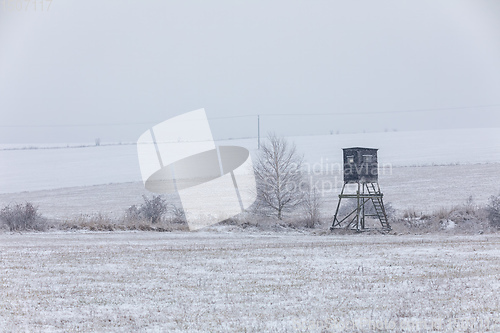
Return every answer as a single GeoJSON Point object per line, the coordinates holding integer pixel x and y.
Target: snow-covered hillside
{"type": "Point", "coordinates": [40, 169]}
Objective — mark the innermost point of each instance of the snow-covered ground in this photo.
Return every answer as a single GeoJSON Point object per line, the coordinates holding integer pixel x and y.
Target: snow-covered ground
{"type": "Point", "coordinates": [253, 281]}
{"type": "Point", "coordinates": [424, 171]}
{"type": "Point", "coordinates": [41, 169]}
{"type": "Point", "coordinates": [423, 189]}
{"type": "Point", "coordinates": [240, 282]}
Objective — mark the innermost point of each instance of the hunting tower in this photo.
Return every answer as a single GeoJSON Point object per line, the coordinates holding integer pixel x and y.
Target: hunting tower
{"type": "Point", "coordinates": [361, 175]}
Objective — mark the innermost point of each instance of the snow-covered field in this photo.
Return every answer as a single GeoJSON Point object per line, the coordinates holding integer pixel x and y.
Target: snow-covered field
{"type": "Point", "coordinates": [424, 189]}
{"type": "Point", "coordinates": [218, 282]}
{"type": "Point", "coordinates": [252, 281]}
{"type": "Point", "coordinates": [425, 171]}
{"type": "Point", "coordinates": [41, 169]}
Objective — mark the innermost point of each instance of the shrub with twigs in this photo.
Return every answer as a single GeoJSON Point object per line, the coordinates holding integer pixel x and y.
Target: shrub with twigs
{"type": "Point", "coordinates": [154, 210]}
{"type": "Point", "coordinates": [493, 210]}
{"type": "Point", "coordinates": [21, 217]}
{"type": "Point", "coordinates": [312, 207]}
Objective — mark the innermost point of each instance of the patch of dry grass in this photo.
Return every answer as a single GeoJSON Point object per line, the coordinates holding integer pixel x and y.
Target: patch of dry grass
{"type": "Point", "coordinates": [101, 222]}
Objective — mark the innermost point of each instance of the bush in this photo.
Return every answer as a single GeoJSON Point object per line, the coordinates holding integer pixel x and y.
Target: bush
{"type": "Point", "coordinates": [312, 208]}
{"type": "Point", "coordinates": [466, 218]}
{"type": "Point", "coordinates": [21, 217]}
{"type": "Point", "coordinates": [177, 214]}
{"type": "Point", "coordinates": [443, 213]}
{"type": "Point", "coordinates": [470, 207]}
{"type": "Point", "coordinates": [154, 209]}
{"type": "Point", "coordinates": [493, 210]}
{"type": "Point", "coordinates": [411, 214]}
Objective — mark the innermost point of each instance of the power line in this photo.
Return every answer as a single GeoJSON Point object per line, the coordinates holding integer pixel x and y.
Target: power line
{"type": "Point", "coordinates": [355, 113]}
{"type": "Point", "coordinates": [381, 112]}
{"type": "Point", "coordinates": [268, 115]}
{"type": "Point", "coordinates": [78, 125]}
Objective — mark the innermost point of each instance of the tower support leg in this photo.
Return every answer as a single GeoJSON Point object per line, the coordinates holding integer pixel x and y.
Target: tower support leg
{"type": "Point", "coordinates": [356, 219]}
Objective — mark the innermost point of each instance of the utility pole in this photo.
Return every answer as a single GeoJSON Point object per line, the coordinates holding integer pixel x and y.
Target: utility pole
{"type": "Point", "coordinates": [258, 131]}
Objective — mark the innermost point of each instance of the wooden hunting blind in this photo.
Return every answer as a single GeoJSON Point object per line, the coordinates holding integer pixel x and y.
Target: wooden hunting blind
{"type": "Point", "coordinates": [360, 165]}
{"type": "Point", "coordinates": [361, 169]}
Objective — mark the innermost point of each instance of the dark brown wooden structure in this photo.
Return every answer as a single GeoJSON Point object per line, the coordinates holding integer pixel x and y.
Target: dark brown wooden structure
{"type": "Point", "coordinates": [360, 165]}
{"type": "Point", "coordinates": [361, 169]}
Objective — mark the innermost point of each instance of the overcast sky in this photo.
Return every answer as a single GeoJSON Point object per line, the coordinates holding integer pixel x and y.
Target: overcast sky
{"type": "Point", "coordinates": [111, 69]}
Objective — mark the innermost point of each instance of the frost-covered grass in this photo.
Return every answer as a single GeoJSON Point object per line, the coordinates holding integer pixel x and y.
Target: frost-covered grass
{"type": "Point", "coordinates": [217, 282]}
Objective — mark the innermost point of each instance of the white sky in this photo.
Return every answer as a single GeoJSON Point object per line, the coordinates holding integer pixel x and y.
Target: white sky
{"type": "Point", "coordinates": [111, 69]}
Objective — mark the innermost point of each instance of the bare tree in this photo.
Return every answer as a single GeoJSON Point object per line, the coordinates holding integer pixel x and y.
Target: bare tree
{"type": "Point", "coordinates": [312, 206]}
{"type": "Point", "coordinates": [278, 175]}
